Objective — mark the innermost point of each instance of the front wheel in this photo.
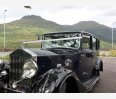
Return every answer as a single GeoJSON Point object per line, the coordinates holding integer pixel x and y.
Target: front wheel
{"type": "Point", "coordinates": [69, 85]}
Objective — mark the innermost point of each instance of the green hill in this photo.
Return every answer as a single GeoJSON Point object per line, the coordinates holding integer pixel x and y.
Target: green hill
{"type": "Point", "coordinates": [102, 31]}
{"type": "Point", "coordinates": [29, 26]}
{"type": "Point", "coordinates": [35, 21]}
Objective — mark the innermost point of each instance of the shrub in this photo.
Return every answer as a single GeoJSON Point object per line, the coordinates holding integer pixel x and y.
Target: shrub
{"type": "Point", "coordinates": [5, 58]}
{"type": "Point", "coordinates": [113, 53]}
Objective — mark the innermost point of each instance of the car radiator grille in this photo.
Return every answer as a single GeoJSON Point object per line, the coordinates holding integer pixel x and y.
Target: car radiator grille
{"type": "Point", "coordinates": [16, 66]}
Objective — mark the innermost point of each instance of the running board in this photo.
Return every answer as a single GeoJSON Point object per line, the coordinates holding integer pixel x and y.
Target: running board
{"type": "Point", "coordinates": [90, 83]}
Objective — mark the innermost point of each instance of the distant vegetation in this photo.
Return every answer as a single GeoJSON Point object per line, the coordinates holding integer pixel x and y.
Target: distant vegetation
{"type": "Point", "coordinates": [14, 38]}
{"type": "Point", "coordinates": [28, 27]}
{"type": "Point", "coordinates": [106, 45]}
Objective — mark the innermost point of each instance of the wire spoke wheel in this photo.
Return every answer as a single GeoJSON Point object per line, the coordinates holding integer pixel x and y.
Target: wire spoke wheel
{"type": "Point", "coordinates": [69, 85]}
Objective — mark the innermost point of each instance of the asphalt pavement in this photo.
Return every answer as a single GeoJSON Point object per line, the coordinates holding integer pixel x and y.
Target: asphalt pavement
{"type": "Point", "coordinates": [107, 82]}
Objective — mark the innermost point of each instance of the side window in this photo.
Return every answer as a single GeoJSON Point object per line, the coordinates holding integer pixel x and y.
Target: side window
{"type": "Point", "coordinates": [94, 43]}
{"type": "Point", "coordinates": [86, 42]}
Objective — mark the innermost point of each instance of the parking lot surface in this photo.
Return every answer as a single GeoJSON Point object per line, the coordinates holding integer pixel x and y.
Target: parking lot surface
{"type": "Point", "coordinates": [107, 82]}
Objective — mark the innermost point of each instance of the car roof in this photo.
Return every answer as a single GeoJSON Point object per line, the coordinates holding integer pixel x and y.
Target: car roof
{"type": "Point", "coordinates": [80, 32]}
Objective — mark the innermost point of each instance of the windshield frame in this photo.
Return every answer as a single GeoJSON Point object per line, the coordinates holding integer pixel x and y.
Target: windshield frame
{"type": "Point", "coordinates": [64, 33]}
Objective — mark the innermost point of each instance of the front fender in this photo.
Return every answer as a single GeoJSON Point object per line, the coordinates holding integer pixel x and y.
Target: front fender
{"type": "Point", "coordinates": [52, 79]}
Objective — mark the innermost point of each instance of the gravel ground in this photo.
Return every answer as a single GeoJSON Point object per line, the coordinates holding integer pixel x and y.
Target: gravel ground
{"type": "Point", "coordinates": [107, 82]}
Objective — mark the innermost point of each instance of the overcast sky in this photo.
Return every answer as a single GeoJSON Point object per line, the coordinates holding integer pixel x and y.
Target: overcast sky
{"type": "Point", "coordinates": [65, 12]}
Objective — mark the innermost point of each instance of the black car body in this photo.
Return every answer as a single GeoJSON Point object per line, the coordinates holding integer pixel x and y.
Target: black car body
{"type": "Point", "coordinates": [67, 62]}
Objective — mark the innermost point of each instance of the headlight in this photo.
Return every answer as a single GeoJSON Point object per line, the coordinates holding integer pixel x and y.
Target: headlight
{"type": "Point", "coordinates": [29, 69]}
{"type": "Point", "coordinates": [3, 73]}
{"type": "Point", "coordinates": [1, 64]}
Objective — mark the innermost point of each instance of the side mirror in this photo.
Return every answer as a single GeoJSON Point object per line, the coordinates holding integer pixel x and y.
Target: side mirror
{"type": "Point", "coordinates": [97, 44]}
{"type": "Point", "coordinates": [91, 43]}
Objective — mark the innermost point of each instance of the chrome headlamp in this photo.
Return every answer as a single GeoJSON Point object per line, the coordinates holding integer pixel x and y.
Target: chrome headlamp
{"type": "Point", "coordinates": [29, 69]}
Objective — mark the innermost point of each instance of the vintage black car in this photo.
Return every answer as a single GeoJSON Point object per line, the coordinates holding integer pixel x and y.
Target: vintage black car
{"type": "Point", "coordinates": [66, 63]}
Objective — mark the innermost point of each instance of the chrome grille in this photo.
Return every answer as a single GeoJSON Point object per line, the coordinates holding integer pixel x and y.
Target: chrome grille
{"type": "Point", "coordinates": [16, 65]}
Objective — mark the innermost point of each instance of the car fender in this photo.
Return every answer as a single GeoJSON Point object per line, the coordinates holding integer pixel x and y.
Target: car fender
{"type": "Point", "coordinates": [99, 63]}
{"type": "Point", "coordinates": [52, 79]}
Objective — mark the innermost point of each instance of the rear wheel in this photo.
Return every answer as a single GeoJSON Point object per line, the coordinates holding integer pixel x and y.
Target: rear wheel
{"type": "Point", "coordinates": [96, 71]}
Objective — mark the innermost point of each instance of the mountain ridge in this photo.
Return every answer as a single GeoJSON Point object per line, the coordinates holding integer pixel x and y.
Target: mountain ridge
{"type": "Point", "coordinates": [37, 22]}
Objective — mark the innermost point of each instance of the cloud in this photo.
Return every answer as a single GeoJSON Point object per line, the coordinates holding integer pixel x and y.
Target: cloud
{"type": "Point", "coordinates": [62, 11]}
{"type": "Point", "coordinates": [110, 12]}
{"type": "Point", "coordinates": [71, 15]}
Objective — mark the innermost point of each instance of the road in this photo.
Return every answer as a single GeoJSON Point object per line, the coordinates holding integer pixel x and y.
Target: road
{"type": "Point", "coordinates": [107, 83]}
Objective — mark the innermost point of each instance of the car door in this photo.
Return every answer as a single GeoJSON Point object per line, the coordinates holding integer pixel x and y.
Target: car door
{"type": "Point", "coordinates": [85, 64]}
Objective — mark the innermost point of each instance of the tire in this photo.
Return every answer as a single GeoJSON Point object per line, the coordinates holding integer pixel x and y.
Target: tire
{"type": "Point", "coordinates": [69, 85]}
{"type": "Point", "coordinates": [96, 72]}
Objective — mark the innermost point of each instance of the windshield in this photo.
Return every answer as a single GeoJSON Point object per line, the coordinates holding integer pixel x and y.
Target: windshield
{"type": "Point", "coordinates": [61, 40]}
